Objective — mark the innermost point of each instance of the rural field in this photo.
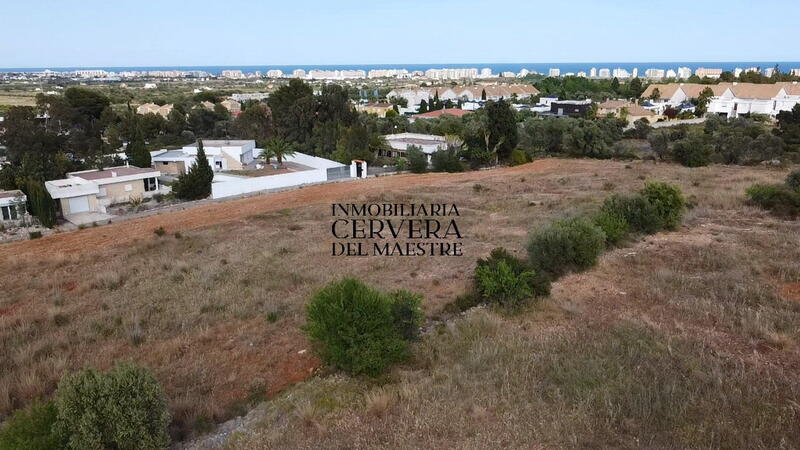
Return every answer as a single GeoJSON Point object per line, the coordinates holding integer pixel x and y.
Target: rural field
{"type": "Point", "coordinates": [679, 339]}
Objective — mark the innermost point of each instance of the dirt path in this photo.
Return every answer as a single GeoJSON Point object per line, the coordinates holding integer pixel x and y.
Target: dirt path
{"type": "Point", "coordinates": [216, 213]}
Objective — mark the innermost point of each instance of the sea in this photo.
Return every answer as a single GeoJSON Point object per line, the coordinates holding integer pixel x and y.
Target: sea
{"type": "Point", "coordinates": [497, 68]}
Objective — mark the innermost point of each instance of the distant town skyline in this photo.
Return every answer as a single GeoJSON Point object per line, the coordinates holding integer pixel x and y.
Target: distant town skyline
{"type": "Point", "coordinates": [94, 33]}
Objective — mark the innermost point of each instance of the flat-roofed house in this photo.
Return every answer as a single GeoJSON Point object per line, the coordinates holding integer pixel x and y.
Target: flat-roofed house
{"type": "Point", "coordinates": [12, 206]}
{"type": "Point", "coordinates": [221, 154]}
{"type": "Point", "coordinates": [87, 193]}
{"type": "Point", "coordinates": [400, 142]}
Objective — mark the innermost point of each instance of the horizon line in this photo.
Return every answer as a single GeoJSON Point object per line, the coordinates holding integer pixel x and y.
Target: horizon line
{"type": "Point", "coordinates": [389, 64]}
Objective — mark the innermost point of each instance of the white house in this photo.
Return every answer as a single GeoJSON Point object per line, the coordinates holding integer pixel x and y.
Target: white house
{"type": "Point", "coordinates": [729, 99]}
{"type": "Point", "coordinates": [400, 142]}
{"type": "Point", "coordinates": [12, 204]}
{"type": "Point", "coordinates": [87, 193]}
{"type": "Point", "coordinates": [221, 154]}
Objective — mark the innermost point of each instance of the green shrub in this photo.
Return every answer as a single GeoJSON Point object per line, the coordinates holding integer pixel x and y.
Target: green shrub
{"type": "Point", "coordinates": [35, 234]}
{"type": "Point", "coordinates": [417, 159]}
{"type": "Point", "coordinates": [31, 429]}
{"type": "Point", "coordinates": [518, 157]}
{"type": "Point", "coordinates": [359, 329]}
{"type": "Point", "coordinates": [566, 245]}
{"type": "Point", "coordinates": [641, 215]}
{"type": "Point", "coordinates": [613, 225]}
{"type": "Point", "coordinates": [668, 202]}
{"type": "Point", "coordinates": [777, 198]}
{"type": "Point", "coordinates": [160, 231]}
{"type": "Point", "coordinates": [446, 160]}
{"type": "Point", "coordinates": [462, 303]}
{"type": "Point", "coordinates": [793, 180]}
{"type": "Point", "coordinates": [401, 163]}
{"type": "Point", "coordinates": [124, 409]}
{"type": "Point", "coordinates": [406, 313]}
{"type": "Point", "coordinates": [502, 278]}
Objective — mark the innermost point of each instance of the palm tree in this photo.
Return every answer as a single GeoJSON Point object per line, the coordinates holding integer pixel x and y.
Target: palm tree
{"type": "Point", "coordinates": [279, 148]}
{"type": "Point", "coordinates": [267, 154]}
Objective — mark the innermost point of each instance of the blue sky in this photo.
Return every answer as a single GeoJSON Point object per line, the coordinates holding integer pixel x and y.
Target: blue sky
{"type": "Point", "coordinates": [52, 33]}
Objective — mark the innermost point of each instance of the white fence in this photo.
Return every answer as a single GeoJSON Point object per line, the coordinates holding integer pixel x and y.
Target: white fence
{"type": "Point", "coordinates": [241, 186]}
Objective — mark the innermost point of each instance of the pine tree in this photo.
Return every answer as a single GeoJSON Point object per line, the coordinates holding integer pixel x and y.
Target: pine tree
{"type": "Point", "coordinates": [42, 205]}
{"type": "Point", "coordinates": [137, 151]}
{"type": "Point", "coordinates": [423, 107]}
{"type": "Point", "coordinates": [196, 183]}
{"type": "Point", "coordinates": [483, 95]}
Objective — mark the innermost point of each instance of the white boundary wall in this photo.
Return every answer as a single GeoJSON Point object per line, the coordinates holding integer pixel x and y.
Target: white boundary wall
{"type": "Point", "coordinates": [247, 185]}
{"type": "Point", "coordinates": [312, 161]}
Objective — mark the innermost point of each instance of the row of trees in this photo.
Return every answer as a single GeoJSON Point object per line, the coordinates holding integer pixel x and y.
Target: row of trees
{"type": "Point", "coordinates": [729, 141]}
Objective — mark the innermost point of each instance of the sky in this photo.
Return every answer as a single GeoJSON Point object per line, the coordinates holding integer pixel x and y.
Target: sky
{"type": "Point", "coordinates": [103, 33]}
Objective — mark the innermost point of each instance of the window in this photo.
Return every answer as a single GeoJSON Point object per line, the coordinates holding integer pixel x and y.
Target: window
{"type": "Point", "coordinates": [9, 212]}
{"type": "Point", "coordinates": [150, 184]}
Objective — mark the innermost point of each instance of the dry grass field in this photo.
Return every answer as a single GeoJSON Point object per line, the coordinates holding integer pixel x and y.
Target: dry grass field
{"type": "Point", "coordinates": [17, 99]}
{"type": "Point", "coordinates": [682, 339]}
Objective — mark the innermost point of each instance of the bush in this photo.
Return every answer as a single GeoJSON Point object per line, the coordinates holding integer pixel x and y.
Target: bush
{"type": "Point", "coordinates": [124, 408]}
{"type": "Point", "coordinates": [160, 231]}
{"type": "Point", "coordinates": [692, 152]}
{"type": "Point", "coordinates": [34, 234]}
{"type": "Point", "coordinates": [504, 279]}
{"type": "Point", "coordinates": [613, 225]}
{"type": "Point", "coordinates": [359, 329]}
{"type": "Point", "coordinates": [641, 215]}
{"type": "Point", "coordinates": [417, 159]}
{"type": "Point", "coordinates": [793, 180]}
{"type": "Point", "coordinates": [446, 161]}
{"type": "Point", "coordinates": [519, 157]}
{"type": "Point", "coordinates": [777, 198]}
{"type": "Point", "coordinates": [31, 429]}
{"type": "Point", "coordinates": [668, 202]}
{"type": "Point", "coordinates": [566, 245]}
{"type": "Point", "coordinates": [406, 314]}
{"type": "Point", "coordinates": [401, 163]}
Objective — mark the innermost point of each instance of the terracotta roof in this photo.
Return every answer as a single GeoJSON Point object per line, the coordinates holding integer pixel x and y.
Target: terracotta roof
{"type": "Point", "coordinates": [791, 87]}
{"type": "Point", "coordinates": [443, 112]}
{"type": "Point", "coordinates": [613, 104]}
{"type": "Point", "coordinates": [665, 90]}
{"type": "Point", "coordinates": [750, 90]}
{"type": "Point", "coordinates": [741, 90]}
{"type": "Point", "coordinates": [637, 110]}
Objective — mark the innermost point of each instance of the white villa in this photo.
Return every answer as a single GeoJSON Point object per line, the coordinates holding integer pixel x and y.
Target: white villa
{"type": "Point", "coordinates": [399, 144]}
{"type": "Point", "coordinates": [729, 99]}
{"type": "Point", "coordinates": [221, 154]}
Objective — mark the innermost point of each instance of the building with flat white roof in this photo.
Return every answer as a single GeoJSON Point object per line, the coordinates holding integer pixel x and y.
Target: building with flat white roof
{"type": "Point", "coordinates": [89, 192]}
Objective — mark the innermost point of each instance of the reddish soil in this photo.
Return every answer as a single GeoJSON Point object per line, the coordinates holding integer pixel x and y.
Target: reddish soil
{"type": "Point", "coordinates": [228, 211]}
{"type": "Point", "coordinates": [790, 291]}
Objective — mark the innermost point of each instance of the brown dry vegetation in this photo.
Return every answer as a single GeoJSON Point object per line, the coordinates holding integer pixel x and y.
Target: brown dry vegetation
{"type": "Point", "coordinates": [679, 339]}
